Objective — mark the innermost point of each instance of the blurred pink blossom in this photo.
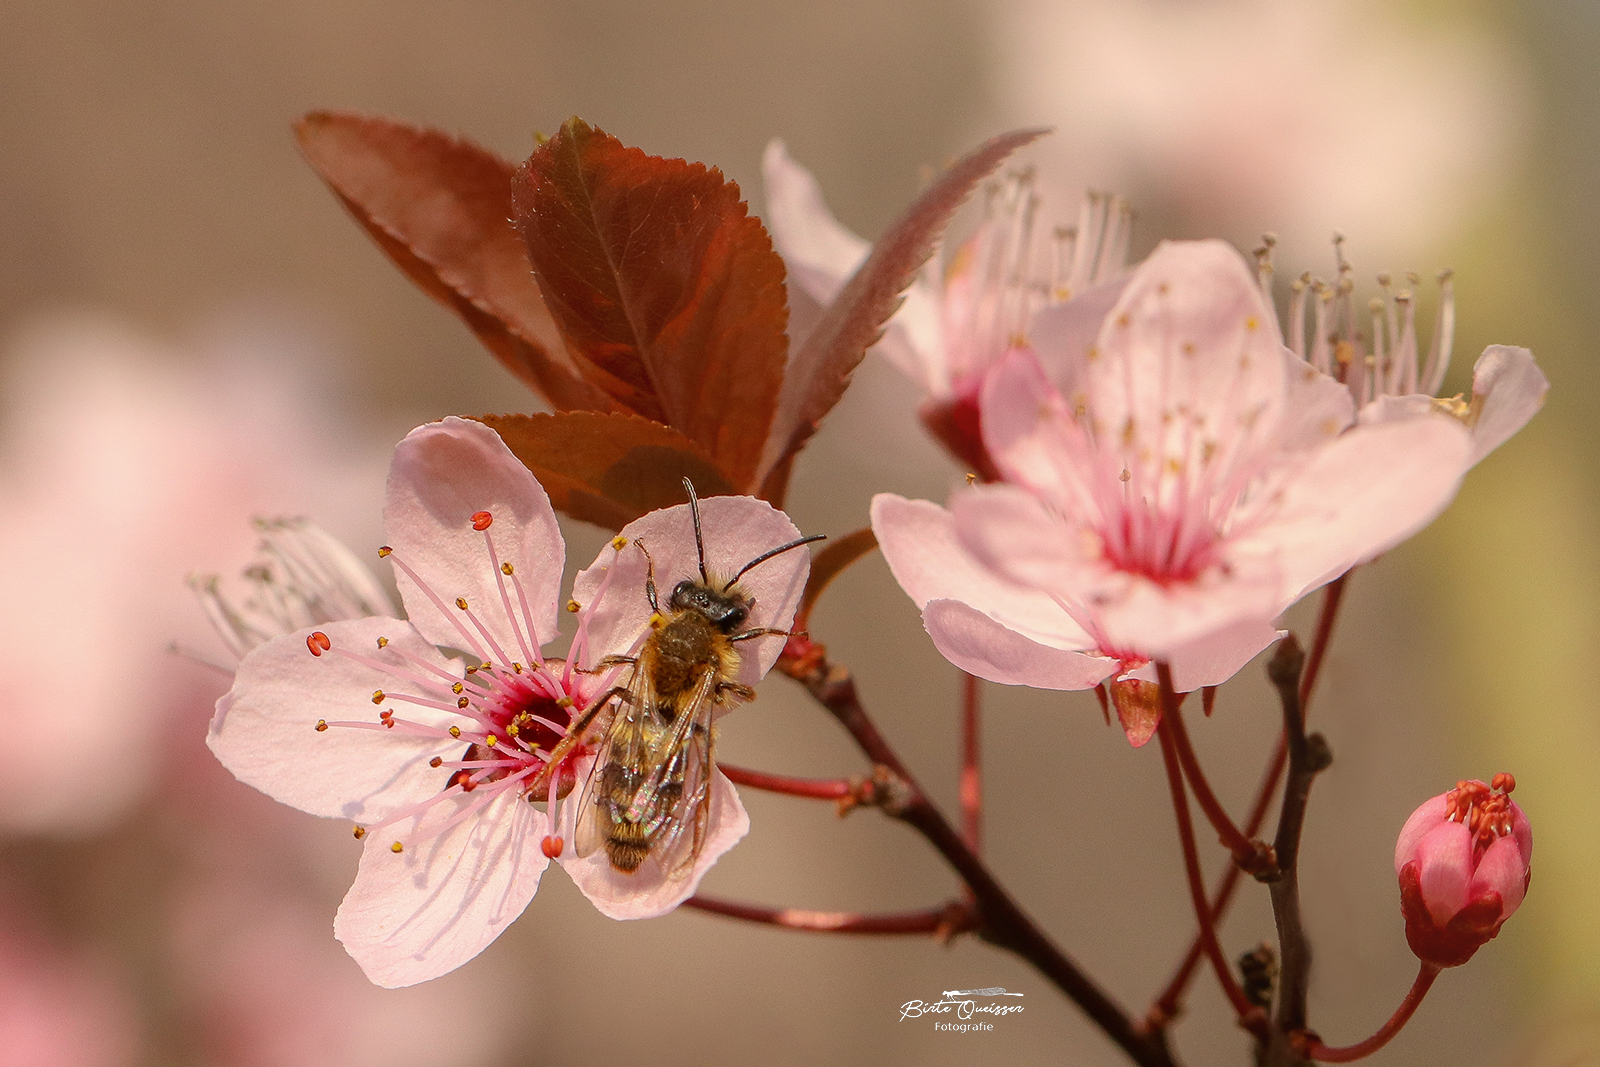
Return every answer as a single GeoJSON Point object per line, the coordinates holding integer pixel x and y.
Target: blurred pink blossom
{"type": "Point", "coordinates": [120, 471]}
{"type": "Point", "coordinates": [452, 854]}
{"type": "Point", "coordinates": [59, 1007]}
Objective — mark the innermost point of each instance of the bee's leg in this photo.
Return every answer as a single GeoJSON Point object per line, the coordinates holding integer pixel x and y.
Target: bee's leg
{"type": "Point", "coordinates": [766, 631]}
{"type": "Point", "coordinates": [606, 663]}
{"type": "Point", "coordinates": [576, 731]}
{"type": "Point", "coordinates": [743, 692]}
{"type": "Point", "coordinates": [649, 578]}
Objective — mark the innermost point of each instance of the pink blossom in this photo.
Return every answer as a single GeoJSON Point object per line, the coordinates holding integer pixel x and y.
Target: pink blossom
{"type": "Point", "coordinates": [967, 311]}
{"type": "Point", "coordinates": [1390, 378]}
{"type": "Point", "coordinates": [1463, 862]}
{"type": "Point", "coordinates": [59, 1007]}
{"type": "Point", "coordinates": [436, 782]}
{"type": "Point", "coordinates": [1190, 480]}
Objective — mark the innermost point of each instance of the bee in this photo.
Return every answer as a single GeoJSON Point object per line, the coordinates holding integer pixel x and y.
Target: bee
{"type": "Point", "coordinates": [649, 791]}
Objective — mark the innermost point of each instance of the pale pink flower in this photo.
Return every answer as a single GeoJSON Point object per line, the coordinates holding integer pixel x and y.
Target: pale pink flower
{"type": "Point", "coordinates": [59, 1007]}
{"type": "Point", "coordinates": [1191, 481]}
{"type": "Point", "coordinates": [969, 309]}
{"type": "Point", "coordinates": [1463, 860]}
{"type": "Point", "coordinates": [441, 782]}
{"type": "Point", "coordinates": [1388, 375]}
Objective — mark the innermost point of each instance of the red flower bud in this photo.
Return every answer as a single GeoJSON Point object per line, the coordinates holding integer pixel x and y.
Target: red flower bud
{"type": "Point", "coordinates": [1463, 862]}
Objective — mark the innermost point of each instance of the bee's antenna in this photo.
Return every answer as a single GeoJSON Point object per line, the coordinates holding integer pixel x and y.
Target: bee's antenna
{"type": "Point", "coordinates": [699, 539]}
{"type": "Point", "coordinates": [769, 553]}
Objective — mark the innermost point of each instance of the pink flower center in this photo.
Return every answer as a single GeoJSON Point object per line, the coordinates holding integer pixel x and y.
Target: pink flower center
{"type": "Point", "coordinates": [1484, 809]}
{"type": "Point", "coordinates": [510, 713]}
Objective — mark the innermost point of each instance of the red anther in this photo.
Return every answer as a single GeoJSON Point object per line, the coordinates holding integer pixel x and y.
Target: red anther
{"type": "Point", "coordinates": [481, 520]}
{"type": "Point", "coordinates": [1503, 782]}
{"type": "Point", "coordinates": [551, 846]}
{"type": "Point", "coordinates": [318, 643]}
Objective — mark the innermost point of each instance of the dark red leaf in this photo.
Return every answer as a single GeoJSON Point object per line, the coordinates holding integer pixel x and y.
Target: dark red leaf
{"type": "Point", "coordinates": [441, 208]}
{"type": "Point", "coordinates": [608, 469]}
{"type": "Point", "coordinates": [667, 291]}
{"type": "Point", "coordinates": [821, 367]}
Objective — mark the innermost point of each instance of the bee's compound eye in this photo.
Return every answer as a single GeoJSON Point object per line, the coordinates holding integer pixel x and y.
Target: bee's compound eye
{"type": "Point", "coordinates": [683, 595]}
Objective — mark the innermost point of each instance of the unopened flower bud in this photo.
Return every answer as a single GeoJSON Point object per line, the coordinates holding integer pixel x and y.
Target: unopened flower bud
{"type": "Point", "coordinates": [1463, 862]}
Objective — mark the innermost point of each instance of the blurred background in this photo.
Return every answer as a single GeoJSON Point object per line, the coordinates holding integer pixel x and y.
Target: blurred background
{"type": "Point", "coordinates": [194, 333]}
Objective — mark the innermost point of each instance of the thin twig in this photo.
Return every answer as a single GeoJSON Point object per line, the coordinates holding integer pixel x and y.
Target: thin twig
{"type": "Point", "coordinates": [1311, 1047]}
{"type": "Point", "coordinates": [814, 788]}
{"type": "Point", "coordinates": [1000, 920]}
{"type": "Point", "coordinates": [1248, 1014]}
{"type": "Point", "coordinates": [1170, 1002]}
{"type": "Point", "coordinates": [944, 922]}
{"type": "Point", "coordinates": [1308, 756]}
{"type": "Point", "coordinates": [971, 778]}
{"type": "Point", "coordinates": [1251, 855]}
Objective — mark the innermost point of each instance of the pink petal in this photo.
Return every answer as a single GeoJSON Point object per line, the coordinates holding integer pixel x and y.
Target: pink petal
{"type": "Point", "coordinates": [737, 529]}
{"type": "Point", "coordinates": [1009, 531]}
{"type": "Point", "coordinates": [1522, 830]}
{"type": "Point", "coordinates": [442, 475]}
{"type": "Point", "coordinates": [1512, 387]}
{"type": "Point", "coordinates": [1319, 407]}
{"type": "Point", "coordinates": [919, 542]}
{"type": "Point", "coordinates": [1159, 621]}
{"type": "Point", "coordinates": [1188, 367]}
{"type": "Point", "coordinates": [1503, 869]}
{"type": "Point", "coordinates": [425, 911]}
{"type": "Point", "coordinates": [1355, 499]}
{"type": "Point", "coordinates": [821, 255]}
{"type": "Point", "coordinates": [987, 649]}
{"type": "Point", "coordinates": [1421, 823]}
{"type": "Point", "coordinates": [1034, 439]}
{"type": "Point", "coordinates": [264, 729]}
{"type": "Point", "coordinates": [1062, 334]}
{"type": "Point", "coordinates": [1444, 858]}
{"type": "Point", "coordinates": [1213, 659]}
{"type": "Point", "coordinates": [650, 891]}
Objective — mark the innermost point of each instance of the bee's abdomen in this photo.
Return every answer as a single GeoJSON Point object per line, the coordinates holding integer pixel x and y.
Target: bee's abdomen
{"type": "Point", "coordinates": [627, 846]}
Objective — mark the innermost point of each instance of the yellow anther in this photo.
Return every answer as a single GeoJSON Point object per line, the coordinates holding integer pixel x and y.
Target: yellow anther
{"type": "Point", "coordinates": [1123, 319]}
{"type": "Point", "coordinates": [360, 832]}
{"type": "Point", "coordinates": [461, 602]}
{"type": "Point", "coordinates": [1187, 348]}
{"type": "Point", "coordinates": [619, 542]}
{"type": "Point", "coordinates": [383, 642]}
{"type": "Point", "coordinates": [1252, 323]}
{"type": "Point", "coordinates": [490, 740]}
{"type": "Point", "coordinates": [457, 688]}
{"type": "Point", "coordinates": [384, 551]}
{"type": "Point", "coordinates": [463, 702]}
{"type": "Point", "coordinates": [563, 702]}
{"type": "Point", "coordinates": [971, 478]}
{"type": "Point", "coordinates": [516, 667]}
{"type": "Point", "coordinates": [397, 847]}
{"type": "Point", "coordinates": [573, 606]}
{"type": "Point", "coordinates": [437, 761]}
{"type": "Point", "coordinates": [506, 568]}
{"type": "Point", "coordinates": [472, 670]}
{"type": "Point", "coordinates": [513, 730]}
{"type": "Point", "coordinates": [377, 696]}
{"type": "Point", "coordinates": [322, 724]}
{"type": "Point", "coordinates": [455, 731]}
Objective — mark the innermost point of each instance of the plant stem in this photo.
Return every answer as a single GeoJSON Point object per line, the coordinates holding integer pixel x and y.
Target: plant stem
{"type": "Point", "coordinates": [971, 779]}
{"type": "Point", "coordinates": [946, 921]}
{"type": "Point", "coordinates": [1248, 1014]}
{"type": "Point", "coordinates": [1313, 1048]}
{"type": "Point", "coordinates": [814, 788]}
{"type": "Point", "coordinates": [999, 919]}
{"type": "Point", "coordinates": [1246, 852]}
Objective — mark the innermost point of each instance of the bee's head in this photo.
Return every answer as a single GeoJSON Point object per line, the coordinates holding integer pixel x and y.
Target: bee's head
{"type": "Point", "coordinates": [727, 609]}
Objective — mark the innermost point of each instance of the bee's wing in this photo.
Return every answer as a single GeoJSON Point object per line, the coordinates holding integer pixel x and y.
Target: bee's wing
{"type": "Point", "coordinates": [683, 829]}
{"type": "Point", "coordinates": [626, 741]}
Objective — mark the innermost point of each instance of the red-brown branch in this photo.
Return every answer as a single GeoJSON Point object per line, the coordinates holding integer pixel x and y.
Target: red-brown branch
{"type": "Point", "coordinates": [814, 788]}
{"type": "Point", "coordinates": [1249, 1015]}
{"type": "Point", "coordinates": [1246, 853]}
{"type": "Point", "coordinates": [971, 778]}
{"type": "Point", "coordinates": [1312, 1048]}
{"type": "Point", "coordinates": [945, 921]}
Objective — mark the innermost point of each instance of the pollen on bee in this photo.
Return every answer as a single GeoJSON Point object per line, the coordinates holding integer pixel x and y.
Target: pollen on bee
{"type": "Point", "coordinates": [360, 832]}
{"type": "Point", "coordinates": [481, 520]}
{"type": "Point", "coordinates": [463, 702]}
{"type": "Point", "coordinates": [318, 642]}
{"type": "Point", "coordinates": [384, 551]}
{"type": "Point", "coordinates": [457, 688]}
{"type": "Point", "coordinates": [657, 621]}
{"type": "Point", "coordinates": [574, 607]}
{"type": "Point", "coordinates": [397, 847]}
{"type": "Point", "coordinates": [377, 696]}
{"type": "Point", "coordinates": [322, 725]}
{"type": "Point", "coordinates": [455, 731]}
{"type": "Point", "coordinates": [461, 602]}
{"type": "Point", "coordinates": [383, 642]}
{"type": "Point", "coordinates": [619, 542]}
{"type": "Point", "coordinates": [506, 568]}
